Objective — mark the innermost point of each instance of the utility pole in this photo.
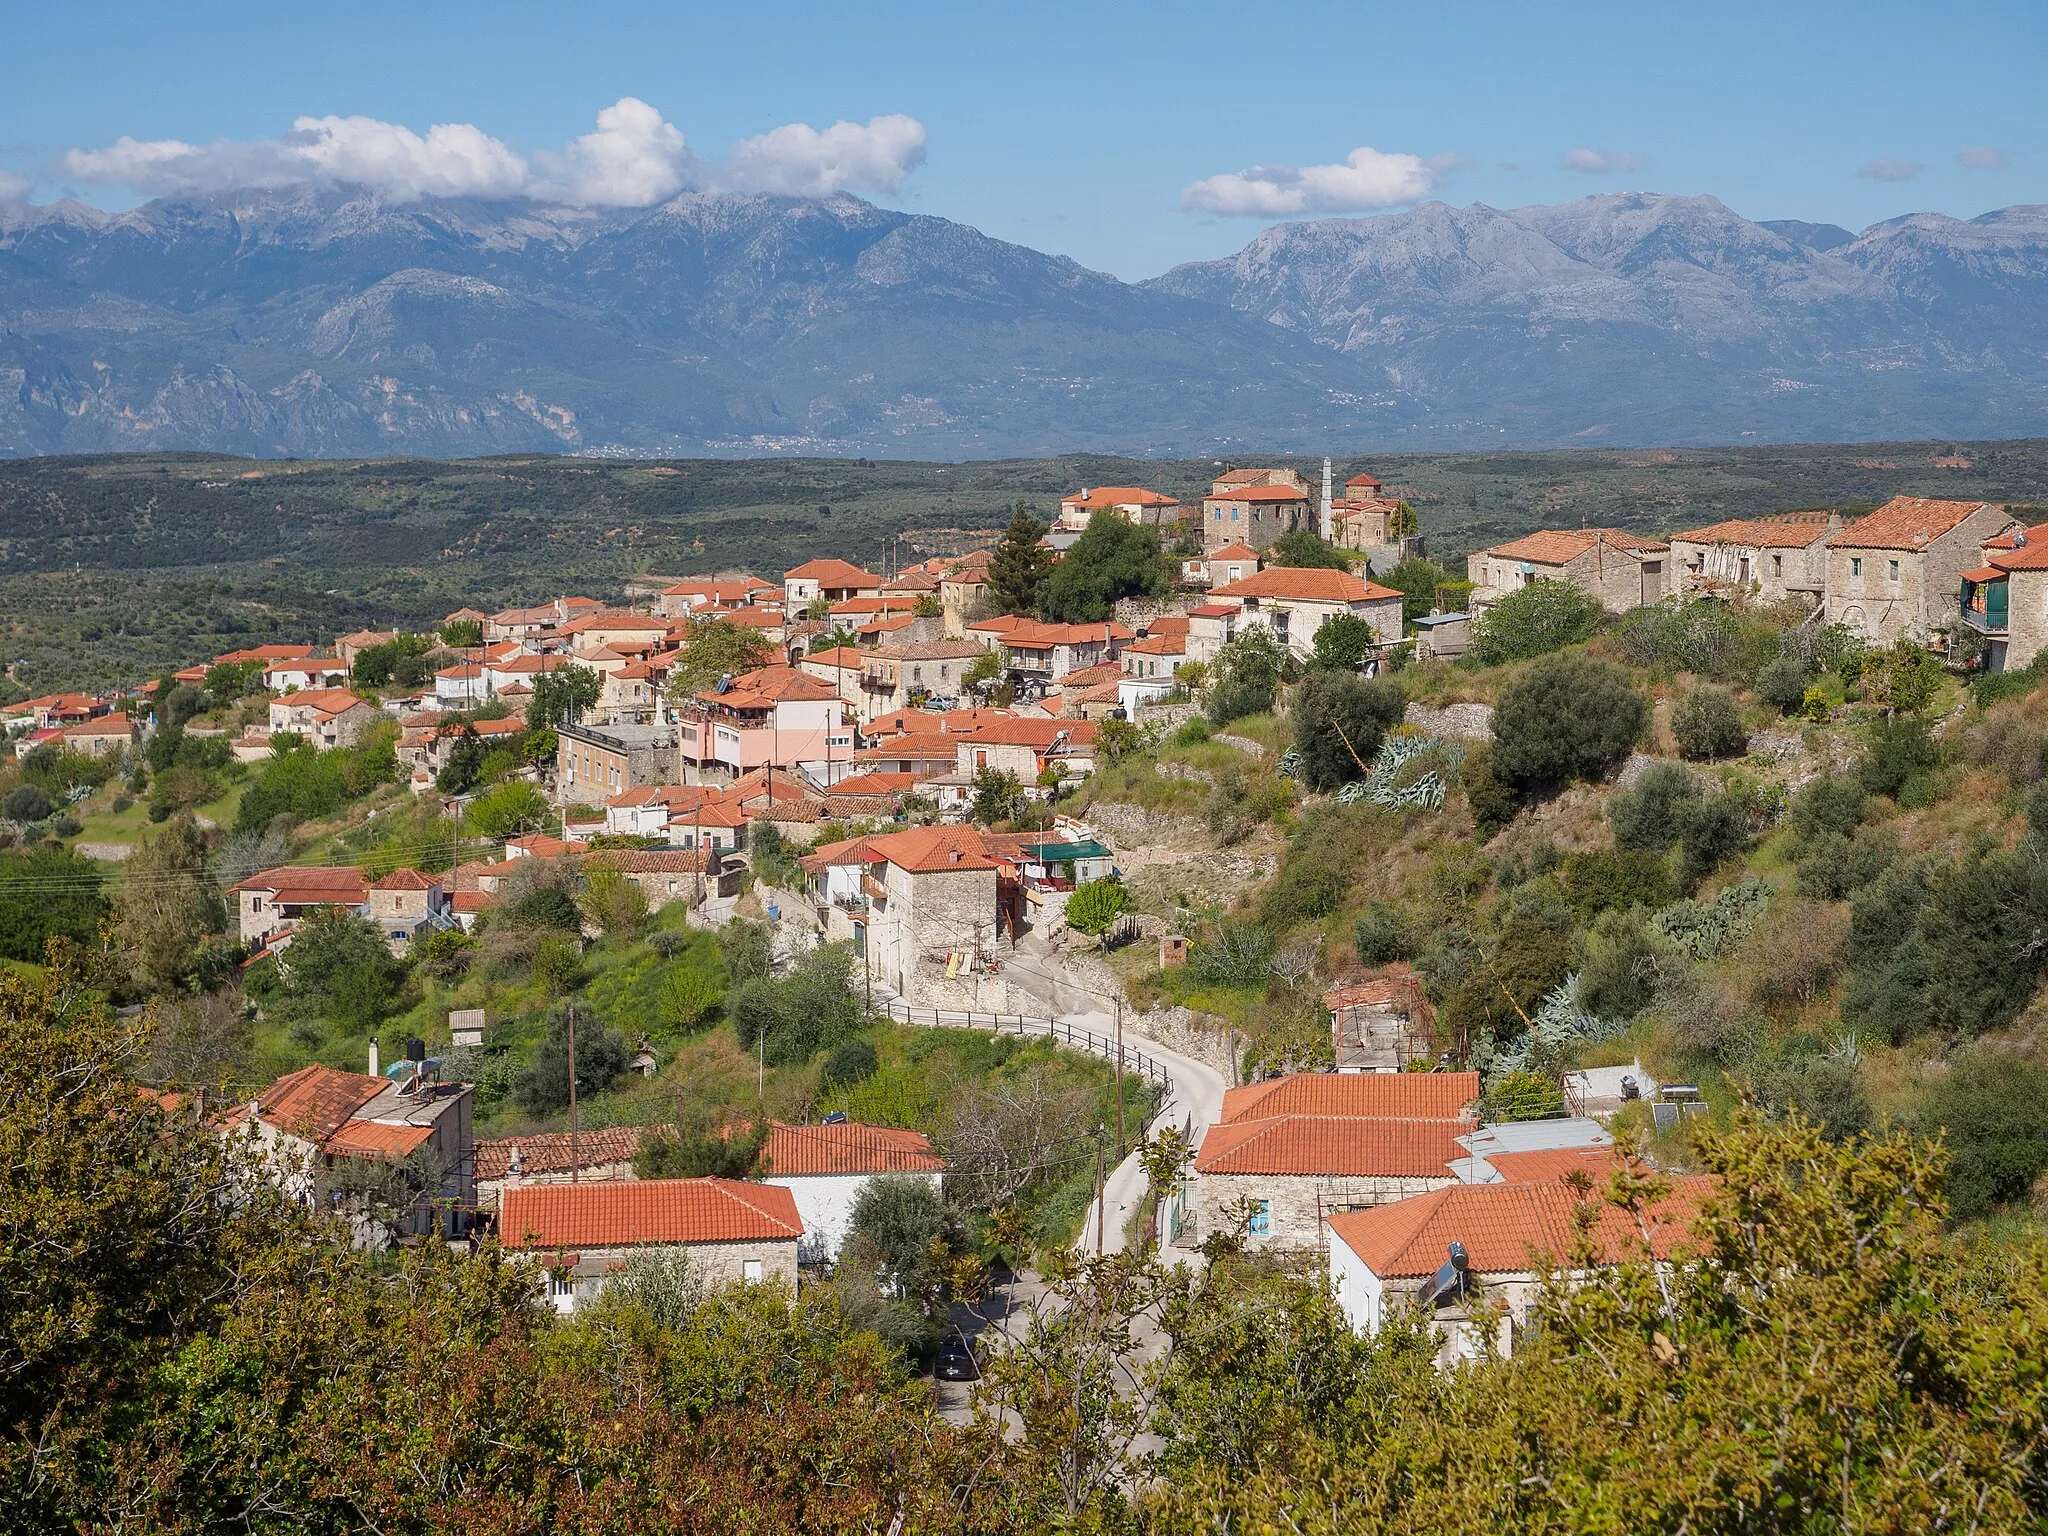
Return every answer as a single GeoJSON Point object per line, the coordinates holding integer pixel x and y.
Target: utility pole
{"type": "Point", "coordinates": [761, 1063]}
{"type": "Point", "coordinates": [1119, 1078]}
{"type": "Point", "coordinates": [1099, 1131]}
{"type": "Point", "coordinates": [575, 1144]}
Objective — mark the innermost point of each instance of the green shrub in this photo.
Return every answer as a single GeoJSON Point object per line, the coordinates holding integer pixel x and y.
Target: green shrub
{"type": "Point", "coordinates": [601, 1058]}
{"type": "Point", "coordinates": [1619, 977]}
{"type": "Point", "coordinates": [1712, 831]}
{"type": "Point", "coordinates": [1245, 677]}
{"type": "Point", "coordinates": [1649, 815]}
{"type": "Point", "coordinates": [1992, 1112]}
{"type": "Point", "coordinates": [1566, 718]}
{"type": "Point", "coordinates": [1524, 1096]}
{"type": "Point", "coordinates": [26, 802]}
{"type": "Point", "coordinates": [1828, 1090]}
{"type": "Point", "coordinates": [1192, 732]}
{"type": "Point", "coordinates": [1493, 800]}
{"type": "Point", "coordinates": [1236, 955]}
{"type": "Point", "coordinates": [1828, 806]}
{"type": "Point", "coordinates": [547, 907]}
{"type": "Point", "coordinates": [1900, 752]}
{"type": "Point", "coordinates": [1596, 882]}
{"type": "Point", "coordinates": [1707, 725]}
{"type": "Point", "coordinates": [1831, 866]}
{"type": "Point", "coordinates": [1381, 935]}
{"type": "Point", "coordinates": [1534, 620]}
{"type": "Point", "coordinates": [852, 1062]}
{"type": "Point", "coordinates": [1339, 722]}
{"type": "Point", "coordinates": [1782, 684]}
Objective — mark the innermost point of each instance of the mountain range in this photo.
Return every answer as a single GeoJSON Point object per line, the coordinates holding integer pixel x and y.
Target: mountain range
{"type": "Point", "coordinates": [330, 322]}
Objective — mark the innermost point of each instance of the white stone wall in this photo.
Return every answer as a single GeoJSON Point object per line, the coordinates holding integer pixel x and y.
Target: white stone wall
{"type": "Point", "coordinates": [825, 1201]}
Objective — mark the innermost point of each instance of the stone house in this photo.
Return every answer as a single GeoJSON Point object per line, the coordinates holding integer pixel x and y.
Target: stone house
{"type": "Point", "coordinates": [1134, 504]}
{"type": "Point", "coordinates": [839, 667]}
{"type": "Point", "coordinates": [104, 736]}
{"type": "Point", "coordinates": [1498, 1242]}
{"type": "Point", "coordinates": [1294, 603]}
{"type": "Point", "coordinates": [1211, 626]}
{"type": "Point", "coordinates": [1362, 518]}
{"type": "Point", "coordinates": [833, 580]}
{"type": "Point", "coordinates": [348, 647]}
{"type": "Point", "coordinates": [308, 1122]}
{"type": "Point", "coordinates": [630, 694]}
{"type": "Point", "coordinates": [709, 595]}
{"type": "Point", "coordinates": [326, 717]}
{"type": "Point", "coordinates": [585, 1233]}
{"type": "Point", "coordinates": [1220, 568]}
{"type": "Point", "coordinates": [929, 893]}
{"type": "Point", "coordinates": [1619, 569]}
{"type": "Point", "coordinates": [1898, 573]}
{"type": "Point", "coordinates": [1255, 507]}
{"type": "Point", "coordinates": [1287, 1153]}
{"type": "Point", "coordinates": [897, 677]}
{"type": "Point", "coordinates": [664, 875]}
{"type": "Point", "coordinates": [274, 901]}
{"type": "Point", "coordinates": [1767, 560]}
{"type": "Point", "coordinates": [2006, 598]}
{"type": "Point", "coordinates": [1026, 747]}
{"type": "Point", "coordinates": [826, 1167]}
{"type": "Point", "coordinates": [405, 905]}
{"type": "Point", "coordinates": [594, 763]}
{"type": "Point", "coordinates": [963, 591]}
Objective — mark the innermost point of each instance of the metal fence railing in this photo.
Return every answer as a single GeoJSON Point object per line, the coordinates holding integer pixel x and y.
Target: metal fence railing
{"type": "Point", "coordinates": [1134, 1060]}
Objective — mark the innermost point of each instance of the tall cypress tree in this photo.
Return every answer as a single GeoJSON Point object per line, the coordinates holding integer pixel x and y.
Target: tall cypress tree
{"type": "Point", "coordinates": [1018, 568]}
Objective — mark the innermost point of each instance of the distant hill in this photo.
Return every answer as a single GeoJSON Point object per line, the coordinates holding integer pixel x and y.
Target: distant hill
{"type": "Point", "coordinates": [112, 567]}
{"type": "Point", "coordinates": [330, 323]}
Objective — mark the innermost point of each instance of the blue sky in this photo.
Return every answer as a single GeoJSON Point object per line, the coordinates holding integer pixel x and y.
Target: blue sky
{"type": "Point", "coordinates": [1081, 128]}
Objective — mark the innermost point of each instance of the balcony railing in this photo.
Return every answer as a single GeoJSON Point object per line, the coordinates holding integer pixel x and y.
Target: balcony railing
{"type": "Point", "coordinates": [1984, 622]}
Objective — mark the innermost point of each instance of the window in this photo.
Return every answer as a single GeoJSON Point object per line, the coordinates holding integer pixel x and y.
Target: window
{"type": "Point", "coordinates": [1891, 570]}
{"type": "Point", "coordinates": [750, 1269]}
{"type": "Point", "coordinates": [561, 1286]}
{"type": "Point", "coordinates": [1262, 1218]}
{"type": "Point", "coordinates": [1777, 565]}
{"type": "Point", "coordinates": [1856, 565]}
{"type": "Point", "coordinates": [1233, 514]}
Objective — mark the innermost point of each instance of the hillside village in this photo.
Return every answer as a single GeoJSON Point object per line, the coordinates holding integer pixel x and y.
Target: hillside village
{"type": "Point", "coordinates": [1225, 890]}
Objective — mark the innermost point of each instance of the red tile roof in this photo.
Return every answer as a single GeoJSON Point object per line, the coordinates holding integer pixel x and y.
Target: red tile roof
{"type": "Point", "coordinates": [1559, 546]}
{"type": "Point", "coordinates": [315, 1102]}
{"type": "Point", "coordinates": [1307, 585]}
{"type": "Point", "coordinates": [1101, 496]}
{"type": "Point", "coordinates": [549, 1152]}
{"type": "Point", "coordinates": [623, 1213]}
{"type": "Point", "coordinates": [2030, 555]}
{"type": "Point", "coordinates": [1361, 480]}
{"type": "Point", "coordinates": [322, 701]}
{"type": "Point", "coordinates": [405, 880]}
{"type": "Point", "coordinates": [877, 783]}
{"type": "Point", "coordinates": [799, 1151]}
{"type": "Point", "coordinates": [1351, 1146]}
{"type": "Point", "coordinates": [1158, 645]}
{"type": "Point", "coordinates": [371, 1138]}
{"type": "Point", "coordinates": [844, 656]}
{"type": "Point", "coordinates": [1506, 1228]}
{"type": "Point", "coordinates": [1394, 1095]}
{"type": "Point", "coordinates": [927, 850]}
{"type": "Point", "coordinates": [1259, 493]}
{"type": "Point", "coordinates": [1907, 522]}
{"type": "Point", "coordinates": [766, 686]}
{"type": "Point", "coordinates": [833, 574]}
{"type": "Point", "coordinates": [1552, 1163]}
{"type": "Point", "coordinates": [1237, 551]}
{"type": "Point", "coordinates": [310, 885]}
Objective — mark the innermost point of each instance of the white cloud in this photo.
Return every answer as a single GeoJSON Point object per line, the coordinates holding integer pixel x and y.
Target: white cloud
{"type": "Point", "coordinates": [633, 158]}
{"type": "Point", "coordinates": [1367, 179]}
{"type": "Point", "coordinates": [800, 161]}
{"type": "Point", "coordinates": [1602, 162]}
{"type": "Point", "coordinates": [1982, 157]}
{"type": "Point", "coordinates": [14, 187]}
{"type": "Point", "coordinates": [1888, 169]}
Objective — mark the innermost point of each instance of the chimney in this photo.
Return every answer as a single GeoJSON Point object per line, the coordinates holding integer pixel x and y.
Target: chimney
{"type": "Point", "coordinates": [373, 1057]}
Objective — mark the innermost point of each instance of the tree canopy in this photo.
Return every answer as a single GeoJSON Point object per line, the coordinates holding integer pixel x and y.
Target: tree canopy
{"type": "Point", "coordinates": [715, 648]}
{"type": "Point", "coordinates": [1017, 569]}
{"type": "Point", "coordinates": [1113, 558]}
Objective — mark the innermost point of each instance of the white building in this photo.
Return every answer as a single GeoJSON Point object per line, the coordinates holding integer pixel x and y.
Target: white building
{"type": "Point", "coordinates": [825, 1168]}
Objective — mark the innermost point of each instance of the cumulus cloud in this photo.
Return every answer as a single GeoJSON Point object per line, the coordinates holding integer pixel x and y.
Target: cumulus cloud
{"type": "Point", "coordinates": [450, 160]}
{"type": "Point", "coordinates": [633, 158]}
{"type": "Point", "coordinates": [1367, 179]}
{"type": "Point", "coordinates": [1602, 162]}
{"type": "Point", "coordinates": [1887, 169]}
{"type": "Point", "coordinates": [14, 187]}
{"type": "Point", "coordinates": [1982, 157]}
{"type": "Point", "coordinates": [800, 161]}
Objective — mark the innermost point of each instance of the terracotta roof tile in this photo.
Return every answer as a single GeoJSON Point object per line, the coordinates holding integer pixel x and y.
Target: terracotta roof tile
{"type": "Point", "coordinates": [315, 1102]}
{"type": "Point", "coordinates": [833, 573]}
{"type": "Point", "coordinates": [1259, 493]}
{"type": "Point", "coordinates": [928, 850]}
{"type": "Point", "coordinates": [1758, 533]}
{"type": "Point", "coordinates": [1557, 546]}
{"type": "Point", "coordinates": [797, 1151]}
{"type": "Point", "coordinates": [372, 1138]}
{"type": "Point", "coordinates": [1907, 522]}
{"type": "Point", "coordinates": [549, 1152]}
{"type": "Point", "coordinates": [1400, 1095]}
{"type": "Point", "coordinates": [1357, 1147]}
{"type": "Point", "coordinates": [623, 1213]}
{"type": "Point", "coordinates": [1308, 584]}
{"type": "Point", "coordinates": [1506, 1228]}
{"type": "Point", "coordinates": [1098, 497]}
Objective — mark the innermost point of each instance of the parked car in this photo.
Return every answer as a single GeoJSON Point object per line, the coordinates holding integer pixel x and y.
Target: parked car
{"type": "Point", "coordinates": [958, 1358]}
